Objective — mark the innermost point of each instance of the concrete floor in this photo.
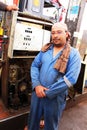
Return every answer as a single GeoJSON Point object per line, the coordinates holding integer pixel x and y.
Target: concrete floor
{"type": "Point", "coordinates": [75, 118]}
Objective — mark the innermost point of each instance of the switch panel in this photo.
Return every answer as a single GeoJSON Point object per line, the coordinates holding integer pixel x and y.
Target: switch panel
{"type": "Point", "coordinates": [27, 37]}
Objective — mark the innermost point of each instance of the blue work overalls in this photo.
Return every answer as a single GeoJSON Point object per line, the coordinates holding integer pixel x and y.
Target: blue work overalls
{"type": "Point", "coordinates": [43, 73]}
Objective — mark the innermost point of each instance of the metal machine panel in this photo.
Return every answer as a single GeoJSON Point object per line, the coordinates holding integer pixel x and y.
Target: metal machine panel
{"type": "Point", "coordinates": [27, 38]}
{"type": "Point", "coordinates": [46, 38]}
{"type": "Point", "coordinates": [33, 7]}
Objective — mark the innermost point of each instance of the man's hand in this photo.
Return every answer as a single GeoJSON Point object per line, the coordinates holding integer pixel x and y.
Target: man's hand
{"type": "Point", "coordinates": [40, 91]}
{"type": "Point", "coordinates": [11, 7]}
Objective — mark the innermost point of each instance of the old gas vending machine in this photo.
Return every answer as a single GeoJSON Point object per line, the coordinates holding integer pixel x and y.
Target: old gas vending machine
{"type": "Point", "coordinates": [26, 36]}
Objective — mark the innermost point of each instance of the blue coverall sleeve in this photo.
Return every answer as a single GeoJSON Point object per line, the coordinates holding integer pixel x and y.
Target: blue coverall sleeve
{"type": "Point", "coordinates": [35, 68]}
{"type": "Point", "coordinates": [72, 73]}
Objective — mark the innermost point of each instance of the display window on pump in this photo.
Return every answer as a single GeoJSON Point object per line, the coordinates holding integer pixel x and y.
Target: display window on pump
{"type": "Point", "coordinates": [34, 7]}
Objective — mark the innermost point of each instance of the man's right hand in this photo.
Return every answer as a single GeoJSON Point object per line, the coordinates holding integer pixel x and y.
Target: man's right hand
{"type": "Point", "coordinates": [40, 91]}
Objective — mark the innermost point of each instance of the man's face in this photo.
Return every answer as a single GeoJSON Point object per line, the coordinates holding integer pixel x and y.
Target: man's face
{"type": "Point", "coordinates": [59, 36]}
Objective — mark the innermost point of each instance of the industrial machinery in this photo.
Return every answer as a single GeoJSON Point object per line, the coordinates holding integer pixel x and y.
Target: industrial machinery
{"type": "Point", "coordinates": [26, 36]}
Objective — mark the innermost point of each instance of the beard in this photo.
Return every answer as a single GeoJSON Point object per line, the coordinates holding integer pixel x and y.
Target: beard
{"type": "Point", "coordinates": [58, 44]}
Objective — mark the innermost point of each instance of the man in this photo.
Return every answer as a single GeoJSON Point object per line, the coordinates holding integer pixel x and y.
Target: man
{"type": "Point", "coordinates": [53, 71]}
{"type": "Point", "coordinates": [4, 7]}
